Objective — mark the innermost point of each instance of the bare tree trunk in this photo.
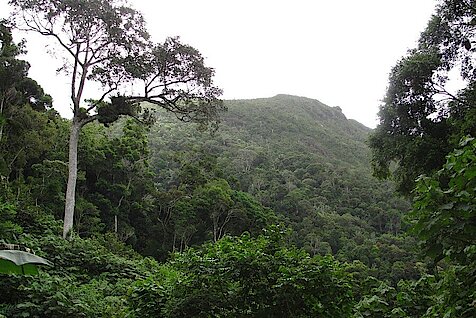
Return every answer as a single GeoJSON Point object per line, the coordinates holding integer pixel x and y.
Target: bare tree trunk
{"type": "Point", "coordinates": [72, 177]}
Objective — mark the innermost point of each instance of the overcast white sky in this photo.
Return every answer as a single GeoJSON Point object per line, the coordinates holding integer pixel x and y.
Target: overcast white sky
{"type": "Point", "coordinates": [337, 51]}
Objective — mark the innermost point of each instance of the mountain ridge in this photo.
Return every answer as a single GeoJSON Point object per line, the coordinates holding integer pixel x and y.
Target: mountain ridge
{"type": "Point", "coordinates": [309, 123]}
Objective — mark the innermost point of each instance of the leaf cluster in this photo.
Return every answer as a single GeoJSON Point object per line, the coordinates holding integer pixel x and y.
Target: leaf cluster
{"type": "Point", "coordinates": [245, 277]}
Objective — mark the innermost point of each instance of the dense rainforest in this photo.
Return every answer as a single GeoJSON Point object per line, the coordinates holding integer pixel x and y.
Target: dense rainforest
{"type": "Point", "coordinates": [189, 206]}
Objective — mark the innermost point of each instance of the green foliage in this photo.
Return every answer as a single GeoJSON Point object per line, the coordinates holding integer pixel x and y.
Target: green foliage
{"type": "Point", "coordinates": [8, 228]}
{"type": "Point", "coordinates": [90, 278]}
{"type": "Point", "coordinates": [199, 191]}
{"type": "Point", "coordinates": [26, 127]}
{"type": "Point", "coordinates": [106, 42]}
{"type": "Point", "coordinates": [421, 124]}
{"type": "Point", "coordinates": [109, 113]}
{"type": "Point", "coordinates": [445, 207]}
{"type": "Point", "coordinates": [16, 89]}
{"type": "Point", "coordinates": [445, 221]}
{"type": "Point", "coordinates": [420, 121]}
{"type": "Point", "coordinates": [177, 80]}
{"type": "Point", "coordinates": [56, 296]}
{"type": "Point", "coordinates": [408, 133]}
{"type": "Point", "coordinates": [455, 293]}
{"type": "Point", "coordinates": [407, 299]}
{"type": "Point", "coordinates": [202, 210]}
{"type": "Point", "coordinates": [170, 189]}
{"type": "Point", "coordinates": [118, 181]}
{"type": "Point", "coordinates": [291, 155]}
{"type": "Point", "coordinates": [245, 277]}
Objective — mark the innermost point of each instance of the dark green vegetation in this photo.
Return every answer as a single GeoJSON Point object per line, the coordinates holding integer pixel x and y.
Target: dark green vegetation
{"type": "Point", "coordinates": [427, 132]}
{"type": "Point", "coordinates": [302, 159]}
{"type": "Point", "coordinates": [107, 43]}
{"type": "Point", "coordinates": [420, 120]}
{"type": "Point", "coordinates": [245, 277]}
{"type": "Point", "coordinates": [274, 215]}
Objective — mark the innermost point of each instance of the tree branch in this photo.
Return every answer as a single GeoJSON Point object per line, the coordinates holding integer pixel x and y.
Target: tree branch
{"type": "Point", "coordinates": [88, 120]}
{"type": "Point", "coordinates": [75, 71]}
{"type": "Point", "coordinates": [441, 90]}
{"type": "Point", "coordinates": [96, 103]}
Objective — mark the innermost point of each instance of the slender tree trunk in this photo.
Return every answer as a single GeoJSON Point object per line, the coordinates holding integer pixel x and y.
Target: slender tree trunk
{"type": "Point", "coordinates": [72, 177]}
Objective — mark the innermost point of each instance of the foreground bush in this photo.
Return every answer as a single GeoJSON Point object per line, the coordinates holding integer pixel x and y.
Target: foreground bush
{"type": "Point", "coordinates": [245, 277]}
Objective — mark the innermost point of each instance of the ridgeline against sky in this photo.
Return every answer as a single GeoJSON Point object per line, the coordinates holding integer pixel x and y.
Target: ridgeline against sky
{"type": "Point", "coordinates": [337, 52]}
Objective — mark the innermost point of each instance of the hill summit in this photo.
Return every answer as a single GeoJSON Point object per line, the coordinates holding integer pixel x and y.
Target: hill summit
{"type": "Point", "coordinates": [299, 124]}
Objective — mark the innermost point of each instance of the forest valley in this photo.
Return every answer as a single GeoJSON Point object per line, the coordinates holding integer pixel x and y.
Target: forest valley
{"type": "Point", "coordinates": [175, 203]}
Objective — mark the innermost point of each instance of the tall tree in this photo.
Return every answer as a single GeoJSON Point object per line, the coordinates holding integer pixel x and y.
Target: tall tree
{"type": "Point", "coordinates": [421, 121]}
{"type": "Point", "coordinates": [107, 43]}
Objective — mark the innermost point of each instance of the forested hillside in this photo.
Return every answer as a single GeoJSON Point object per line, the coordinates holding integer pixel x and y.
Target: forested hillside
{"type": "Point", "coordinates": [175, 203]}
{"type": "Point", "coordinates": [306, 162]}
{"type": "Point", "coordinates": [172, 188]}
